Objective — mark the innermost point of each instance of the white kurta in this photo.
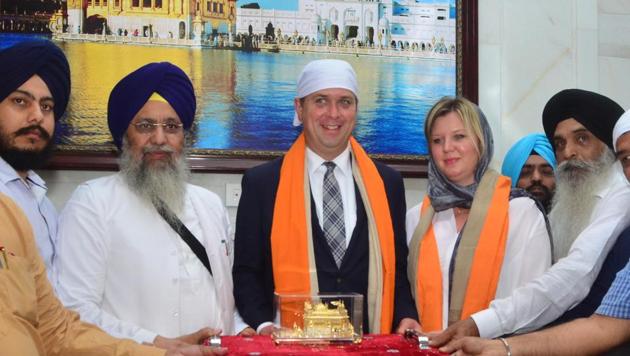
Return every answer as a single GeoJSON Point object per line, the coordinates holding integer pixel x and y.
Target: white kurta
{"type": "Point", "coordinates": [527, 251]}
{"type": "Point", "coordinates": [569, 280]}
{"type": "Point", "coordinates": [123, 268]}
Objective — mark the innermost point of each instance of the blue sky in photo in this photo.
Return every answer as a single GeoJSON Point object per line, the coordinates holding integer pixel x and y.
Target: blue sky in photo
{"type": "Point", "coordinates": [293, 5]}
{"type": "Point", "coordinates": [272, 4]}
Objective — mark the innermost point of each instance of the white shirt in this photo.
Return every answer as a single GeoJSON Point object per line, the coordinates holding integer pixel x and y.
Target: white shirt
{"type": "Point", "coordinates": [527, 251]}
{"type": "Point", "coordinates": [123, 268]}
{"type": "Point", "coordinates": [343, 174]}
{"type": "Point", "coordinates": [30, 195]}
{"type": "Point", "coordinates": [569, 280]}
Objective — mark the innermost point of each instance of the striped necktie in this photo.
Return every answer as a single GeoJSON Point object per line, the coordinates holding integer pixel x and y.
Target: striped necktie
{"type": "Point", "coordinates": [334, 224]}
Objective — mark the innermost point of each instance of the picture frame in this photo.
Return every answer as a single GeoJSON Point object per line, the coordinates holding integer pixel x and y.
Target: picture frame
{"type": "Point", "coordinates": [73, 157]}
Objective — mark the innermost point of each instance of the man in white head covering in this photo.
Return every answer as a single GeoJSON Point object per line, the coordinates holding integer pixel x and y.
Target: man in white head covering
{"type": "Point", "coordinates": [621, 139]}
{"type": "Point", "coordinates": [325, 217]}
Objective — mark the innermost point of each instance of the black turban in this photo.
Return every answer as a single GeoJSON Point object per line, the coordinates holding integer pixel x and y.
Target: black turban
{"type": "Point", "coordinates": [134, 90]}
{"type": "Point", "coordinates": [20, 62]}
{"type": "Point", "coordinates": [596, 112]}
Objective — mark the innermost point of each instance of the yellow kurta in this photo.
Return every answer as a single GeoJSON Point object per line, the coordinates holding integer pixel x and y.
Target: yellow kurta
{"type": "Point", "coordinates": [32, 320]}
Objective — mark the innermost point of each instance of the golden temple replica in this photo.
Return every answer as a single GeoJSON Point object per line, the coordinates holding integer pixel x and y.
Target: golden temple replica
{"type": "Point", "coordinates": [325, 321]}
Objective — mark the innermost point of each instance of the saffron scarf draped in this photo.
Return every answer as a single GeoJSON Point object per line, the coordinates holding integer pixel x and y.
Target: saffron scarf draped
{"type": "Point", "coordinates": [477, 263]}
{"type": "Point", "coordinates": [293, 260]}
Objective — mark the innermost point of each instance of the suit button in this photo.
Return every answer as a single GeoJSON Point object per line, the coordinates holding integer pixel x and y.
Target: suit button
{"type": "Point", "coordinates": [339, 280]}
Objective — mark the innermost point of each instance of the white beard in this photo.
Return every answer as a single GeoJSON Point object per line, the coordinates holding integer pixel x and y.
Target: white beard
{"type": "Point", "coordinates": [153, 184]}
{"type": "Point", "coordinates": [577, 183]}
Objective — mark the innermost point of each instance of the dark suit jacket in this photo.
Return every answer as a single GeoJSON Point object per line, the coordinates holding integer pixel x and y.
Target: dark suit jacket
{"type": "Point", "coordinates": [253, 274]}
{"type": "Point", "coordinates": [616, 259]}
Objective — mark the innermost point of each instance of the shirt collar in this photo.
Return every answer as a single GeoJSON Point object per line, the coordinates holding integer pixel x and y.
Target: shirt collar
{"type": "Point", "coordinates": [9, 174]}
{"type": "Point", "coordinates": [343, 162]}
{"type": "Point", "coordinates": [616, 178]}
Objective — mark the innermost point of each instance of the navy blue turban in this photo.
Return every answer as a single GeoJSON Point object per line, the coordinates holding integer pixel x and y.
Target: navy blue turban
{"type": "Point", "coordinates": [20, 62]}
{"type": "Point", "coordinates": [596, 112]}
{"type": "Point", "coordinates": [134, 90]}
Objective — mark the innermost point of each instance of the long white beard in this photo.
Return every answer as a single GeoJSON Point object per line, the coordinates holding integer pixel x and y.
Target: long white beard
{"type": "Point", "coordinates": [577, 183]}
{"type": "Point", "coordinates": [155, 183]}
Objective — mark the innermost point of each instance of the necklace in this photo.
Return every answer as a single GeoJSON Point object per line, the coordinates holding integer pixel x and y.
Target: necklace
{"type": "Point", "coordinates": [459, 211]}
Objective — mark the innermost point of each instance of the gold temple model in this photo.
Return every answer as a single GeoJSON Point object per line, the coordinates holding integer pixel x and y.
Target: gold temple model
{"type": "Point", "coordinates": [325, 321]}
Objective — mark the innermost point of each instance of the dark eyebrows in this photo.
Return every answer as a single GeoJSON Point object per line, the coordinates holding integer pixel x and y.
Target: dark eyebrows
{"type": "Point", "coordinates": [622, 153]}
{"type": "Point", "coordinates": [581, 130]}
{"type": "Point", "coordinates": [576, 131]}
{"type": "Point", "coordinates": [32, 97]}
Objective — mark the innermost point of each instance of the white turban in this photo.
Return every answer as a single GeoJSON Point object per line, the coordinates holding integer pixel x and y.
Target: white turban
{"type": "Point", "coordinates": [325, 74]}
{"type": "Point", "coordinates": [621, 127]}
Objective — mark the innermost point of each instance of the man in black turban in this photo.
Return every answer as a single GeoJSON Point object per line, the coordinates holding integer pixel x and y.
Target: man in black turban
{"type": "Point", "coordinates": [579, 125]}
{"type": "Point", "coordinates": [34, 92]}
{"type": "Point", "coordinates": [131, 221]}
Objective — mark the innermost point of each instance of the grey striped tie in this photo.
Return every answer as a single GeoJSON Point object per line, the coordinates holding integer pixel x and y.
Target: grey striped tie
{"type": "Point", "coordinates": [334, 225]}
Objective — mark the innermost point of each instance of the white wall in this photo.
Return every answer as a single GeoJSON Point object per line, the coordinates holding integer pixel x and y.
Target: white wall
{"type": "Point", "coordinates": [528, 51]}
{"type": "Point", "coordinates": [61, 184]}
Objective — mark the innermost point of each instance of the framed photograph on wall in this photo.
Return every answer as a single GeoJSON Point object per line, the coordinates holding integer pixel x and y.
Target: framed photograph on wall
{"type": "Point", "coordinates": [244, 58]}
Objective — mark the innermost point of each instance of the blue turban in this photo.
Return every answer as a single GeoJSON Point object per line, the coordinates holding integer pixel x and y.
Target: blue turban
{"type": "Point", "coordinates": [134, 90]}
{"type": "Point", "coordinates": [22, 61]}
{"type": "Point", "coordinates": [519, 153]}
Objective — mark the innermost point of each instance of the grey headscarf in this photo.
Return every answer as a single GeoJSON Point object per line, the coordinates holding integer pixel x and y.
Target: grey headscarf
{"type": "Point", "coordinates": [445, 194]}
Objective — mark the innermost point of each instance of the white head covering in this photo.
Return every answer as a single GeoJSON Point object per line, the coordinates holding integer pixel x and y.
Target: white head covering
{"type": "Point", "coordinates": [621, 127]}
{"type": "Point", "coordinates": [325, 74]}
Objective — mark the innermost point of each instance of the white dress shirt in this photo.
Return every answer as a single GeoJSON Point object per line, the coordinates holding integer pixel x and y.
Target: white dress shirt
{"type": "Point", "coordinates": [527, 251]}
{"type": "Point", "coordinates": [30, 195]}
{"type": "Point", "coordinates": [123, 268]}
{"type": "Point", "coordinates": [343, 174]}
{"type": "Point", "coordinates": [569, 280]}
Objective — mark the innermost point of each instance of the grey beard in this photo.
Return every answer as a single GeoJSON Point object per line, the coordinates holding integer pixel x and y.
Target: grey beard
{"type": "Point", "coordinates": [577, 183]}
{"type": "Point", "coordinates": [163, 184]}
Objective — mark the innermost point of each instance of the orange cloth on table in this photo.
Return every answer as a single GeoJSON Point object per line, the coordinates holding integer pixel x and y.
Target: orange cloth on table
{"type": "Point", "coordinates": [485, 269]}
{"type": "Point", "coordinates": [289, 246]}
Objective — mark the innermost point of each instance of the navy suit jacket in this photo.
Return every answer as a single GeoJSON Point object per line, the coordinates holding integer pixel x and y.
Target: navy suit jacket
{"type": "Point", "coordinates": [616, 259]}
{"type": "Point", "coordinates": [253, 273]}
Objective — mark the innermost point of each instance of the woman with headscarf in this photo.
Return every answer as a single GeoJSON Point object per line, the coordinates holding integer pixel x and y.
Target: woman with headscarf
{"type": "Point", "coordinates": [473, 238]}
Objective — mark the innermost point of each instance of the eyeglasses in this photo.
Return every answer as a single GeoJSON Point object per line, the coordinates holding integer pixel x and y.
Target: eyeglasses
{"type": "Point", "coordinates": [148, 127]}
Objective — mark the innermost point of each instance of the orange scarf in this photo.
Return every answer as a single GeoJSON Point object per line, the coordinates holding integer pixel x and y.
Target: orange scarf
{"type": "Point", "coordinates": [485, 269]}
{"type": "Point", "coordinates": [292, 266]}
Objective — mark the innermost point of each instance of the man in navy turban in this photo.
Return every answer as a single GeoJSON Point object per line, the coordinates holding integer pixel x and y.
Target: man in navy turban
{"type": "Point", "coordinates": [155, 80]}
{"type": "Point", "coordinates": [34, 92]}
{"type": "Point", "coordinates": [159, 261]}
{"type": "Point", "coordinates": [530, 163]}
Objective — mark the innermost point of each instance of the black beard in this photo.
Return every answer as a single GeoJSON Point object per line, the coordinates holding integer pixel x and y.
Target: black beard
{"type": "Point", "coordinates": [24, 160]}
{"type": "Point", "coordinates": [547, 195]}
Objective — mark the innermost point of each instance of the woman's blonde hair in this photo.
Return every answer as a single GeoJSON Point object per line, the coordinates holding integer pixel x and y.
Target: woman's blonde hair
{"type": "Point", "coordinates": [467, 112]}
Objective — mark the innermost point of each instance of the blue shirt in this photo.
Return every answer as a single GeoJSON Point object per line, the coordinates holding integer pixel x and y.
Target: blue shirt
{"type": "Point", "coordinates": [616, 303]}
{"type": "Point", "coordinates": [30, 195]}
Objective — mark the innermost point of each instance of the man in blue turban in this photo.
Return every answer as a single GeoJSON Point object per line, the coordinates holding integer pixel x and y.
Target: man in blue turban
{"type": "Point", "coordinates": [531, 163]}
{"type": "Point", "coordinates": [34, 92]}
{"type": "Point", "coordinates": [142, 253]}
